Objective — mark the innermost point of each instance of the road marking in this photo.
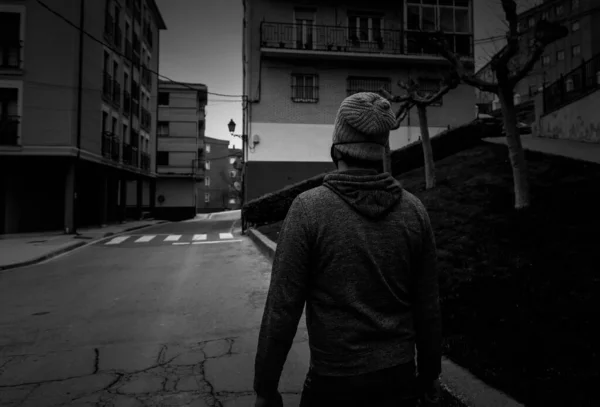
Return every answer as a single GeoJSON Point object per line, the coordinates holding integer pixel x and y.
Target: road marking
{"type": "Point", "coordinates": [225, 236]}
{"type": "Point", "coordinates": [199, 237]}
{"type": "Point", "coordinates": [180, 243]}
{"type": "Point", "coordinates": [172, 238]}
{"type": "Point", "coordinates": [145, 239]}
{"type": "Point", "coordinates": [218, 241]}
{"type": "Point", "coordinates": [118, 240]}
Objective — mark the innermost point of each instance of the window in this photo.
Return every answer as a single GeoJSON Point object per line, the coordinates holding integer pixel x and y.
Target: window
{"type": "Point", "coordinates": [452, 17]}
{"type": "Point", "coordinates": [531, 42]}
{"type": "Point", "coordinates": [531, 22]}
{"type": "Point", "coordinates": [232, 160]}
{"type": "Point", "coordinates": [560, 55]}
{"type": "Point", "coordinates": [575, 26]}
{"type": "Point", "coordinates": [207, 181]}
{"type": "Point", "coordinates": [305, 25]}
{"type": "Point", "coordinates": [355, 84]}
{"type": "Point", "coordinates": [532, 90]}
{"type": "Point", "coordinates": [10, 32]}
{"type": "Point", "coordinates": [207, 197]}
{"type": "Point", "coordinates": [545, 60]}
{"type": "Point", "coordinates": [125, 133]}
{"type": "Point", "coordinates": [305, 88]}
{"type": "Point", "coordinates": [574, 4]}
{"type": "Point", "coordinates": [163, 98]}
{"type": "Point", "coordinates": [364, 27]}
{"type": "Point", "coordinates": [162, 158]}
{"type": "Point", "coordinates": [545, 15]}
{"type": "Point", "coordinates": [9, 116]}
{"type": "Point", "coordinates": [232, 173]}
{"type": "Point", "coordinates": [428, 87]}
{"type": "Point", "coordinates": [114, 128]}
{"type": "Point", "coordinates": [576, 50]}
{"type": "Point", "coordinates": [232, 201]}
{"type": "Point", "coordinates": [207, 165]}
{"type": "Point", "coordinates": [208, 148]}
{"type": "Point", "coordinates": [162, 129]}
{"type": "Point", "coordinates": [559, 9]}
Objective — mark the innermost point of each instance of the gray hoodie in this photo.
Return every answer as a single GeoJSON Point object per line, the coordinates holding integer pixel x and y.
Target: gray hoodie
{"type": "Point", "coordinates": [359, 252]}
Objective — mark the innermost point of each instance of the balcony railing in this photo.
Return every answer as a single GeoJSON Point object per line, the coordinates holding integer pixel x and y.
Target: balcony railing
{"type": "Point", "coordinates": [10, 54]}
{"type": "Point", "coordinates": [146, 119]}
{"type": "Point", "coordinates": [107, 85]}
{"type": "Point", "coordinates": [109, 26]}
{"type": "Point", "coordinates": [130, 155]}
{"type": "Point", "coordinates": [126, 103]}
{"type": "Point", "coordinates": [343, 39]}
{"type": "Point", "coordinates": [574, 85]}
{"type": "Point", "coordinates": [145, 161]}
{"type": "Point", "coordinates": [110, 146]}
{"type": "Point", "coordinates": [116, 93]}
{"type": "Point", "coordinates": [9, 130]}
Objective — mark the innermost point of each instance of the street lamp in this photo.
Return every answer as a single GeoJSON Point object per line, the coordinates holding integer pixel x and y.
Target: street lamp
{"type": "Point", "coordinates": [231, 126]}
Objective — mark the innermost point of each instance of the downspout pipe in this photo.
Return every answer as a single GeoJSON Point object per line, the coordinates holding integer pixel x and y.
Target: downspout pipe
{"type": "Point", "coordinates": [79, 111]}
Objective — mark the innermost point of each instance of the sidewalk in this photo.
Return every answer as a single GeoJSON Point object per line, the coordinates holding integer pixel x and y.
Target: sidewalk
{"type": "Point", "coordinates": [19, 250]}
{"type": "Point", "coordinates": [565, 148]}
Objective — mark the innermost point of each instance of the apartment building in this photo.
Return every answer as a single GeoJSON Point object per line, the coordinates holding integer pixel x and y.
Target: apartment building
{"type": "Point", "coordinates": [301, 59]}
{"type": "Point", "coordinates": [77, 114]}
{"type": "Point", "coordinates": [179, 159]}
{"type": "Point", "coordinates": [582, 19]}
{"type": "Point", "coordinates": [235, 178]}
{"type": "Point", "coordinates": [215, 191]}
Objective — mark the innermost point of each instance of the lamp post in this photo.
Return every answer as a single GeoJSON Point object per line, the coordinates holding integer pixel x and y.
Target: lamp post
{"type": "Point", "coordinates": [244, 137]}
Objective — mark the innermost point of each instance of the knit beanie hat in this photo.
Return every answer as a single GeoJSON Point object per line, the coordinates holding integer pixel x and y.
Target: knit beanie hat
{"type": "Point", "coordinates": [362, 126]}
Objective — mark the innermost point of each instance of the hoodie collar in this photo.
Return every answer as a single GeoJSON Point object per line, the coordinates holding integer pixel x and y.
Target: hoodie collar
{"type": "Point", "coordinates": [368, 192]}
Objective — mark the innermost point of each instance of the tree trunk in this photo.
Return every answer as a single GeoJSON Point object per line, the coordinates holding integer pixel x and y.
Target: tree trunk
{"type": "Point", "coordinates": [427, 150]}
{"type": "Point", "coordinates": [387, 159]}
{"type": "Point", "coordinates": [515, 148]}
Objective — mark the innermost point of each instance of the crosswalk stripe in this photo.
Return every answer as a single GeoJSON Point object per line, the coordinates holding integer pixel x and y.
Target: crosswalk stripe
{"type": "Point", "coordinates": [225, 236]}
{"type": "Point", "coordinates": [218, 241]}
{"type": "Point", "coordinates": [145, 239]}
{"type": "Point", "coordinates": [172, 238]}
{"type": "Point", "coordinates": [199, 237]}
{"type": "Point", "coordinates": [118, 240]}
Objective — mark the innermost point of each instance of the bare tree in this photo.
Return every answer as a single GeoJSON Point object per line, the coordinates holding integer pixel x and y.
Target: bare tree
{"type": "Point", "coordinates": [506, 81]}
{"type": "Point", "coordinates": [414, 96]}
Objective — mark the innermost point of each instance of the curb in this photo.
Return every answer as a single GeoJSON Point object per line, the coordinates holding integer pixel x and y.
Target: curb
{"type": "Point", "coordinates": [456, 380]}
{"type": "Point", "coordinates": [72, 247]}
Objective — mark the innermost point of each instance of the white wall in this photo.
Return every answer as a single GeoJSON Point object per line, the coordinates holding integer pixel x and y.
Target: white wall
{"type": "Point", "coordinates": [312, 142]}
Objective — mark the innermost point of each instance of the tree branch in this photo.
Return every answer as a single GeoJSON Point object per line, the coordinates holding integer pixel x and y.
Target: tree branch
{"type": "Point", "coordinates": [407, 104]}
{"type": "Point", "coordinates": [444, 48]}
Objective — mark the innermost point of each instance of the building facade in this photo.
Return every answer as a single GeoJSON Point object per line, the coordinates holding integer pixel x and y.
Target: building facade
{"type": "Point", "coordinates": [581, 18]}
{"type": "Point", "coordinates": [179, 159]}
{"type": "Point", "coordinates": [301, 59]}
{"type": "Point", "coordinates": [235, 178]}
{"type": "Point", "coordinates": [214, 192]}
{"type": "Point", "coordinates": [77, 114]}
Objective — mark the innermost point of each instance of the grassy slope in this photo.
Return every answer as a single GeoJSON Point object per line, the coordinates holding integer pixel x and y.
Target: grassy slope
{"type": "Point", "coordinates": [518, 291]}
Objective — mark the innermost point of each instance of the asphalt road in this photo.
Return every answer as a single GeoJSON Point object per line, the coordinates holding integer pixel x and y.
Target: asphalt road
{"type": "Point", "coordinates": [144, 321]}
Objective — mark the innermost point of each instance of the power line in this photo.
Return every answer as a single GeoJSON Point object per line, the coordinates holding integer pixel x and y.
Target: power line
{"type": "Point", "coordinates": [59, 15]}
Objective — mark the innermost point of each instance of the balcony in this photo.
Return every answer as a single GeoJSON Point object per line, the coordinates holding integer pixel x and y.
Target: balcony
{"type": "Point", "coordinates": [145, 161]}
{"type": "Point", "coordinates": [9, 130]}
{"type": "Point", "coordinates": [107, 86]}
{"type": "Point", "coordinates": [110, 146]}
{"type": "Point", "coordinates": [338, 42]}
{"type": "Point", "coordinates": [130, 155]}
{"type": "Point", "coordinates": [126, 103]}
{"type": "Point", "coordinates": [146, 120]}
{"type": "Point", "coordinates": [109, 27]}
{"type": "Point", "coordinates": [10, 54]}
{"type": "Point", "coordinates": [116, 94]}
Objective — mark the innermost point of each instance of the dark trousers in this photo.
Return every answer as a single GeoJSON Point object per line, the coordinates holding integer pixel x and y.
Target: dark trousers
{"type": "Point", "coordinates": [392, 387]}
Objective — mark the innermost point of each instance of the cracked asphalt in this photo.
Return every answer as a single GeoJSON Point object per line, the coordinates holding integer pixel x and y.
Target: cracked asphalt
{"type": "Point", "coordinates": [140, 326]}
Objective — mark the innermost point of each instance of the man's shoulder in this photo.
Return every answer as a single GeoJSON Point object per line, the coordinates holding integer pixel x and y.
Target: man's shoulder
{"type": "Point", "coordinates": [313, 195]}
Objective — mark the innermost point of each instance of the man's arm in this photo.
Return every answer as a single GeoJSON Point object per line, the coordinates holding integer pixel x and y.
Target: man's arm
{"type": "Point", "coordinates": [427, 316]}
{"type": "Point", "coordinates": [285, 300]}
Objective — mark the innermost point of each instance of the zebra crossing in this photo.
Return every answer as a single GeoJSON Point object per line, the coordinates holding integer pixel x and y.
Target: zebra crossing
{"type": "Point", "coordinates": [173, 239]}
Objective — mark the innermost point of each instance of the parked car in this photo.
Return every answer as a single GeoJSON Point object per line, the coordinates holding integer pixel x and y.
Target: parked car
{"type": "Point", "coordinates": [495, 127]}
